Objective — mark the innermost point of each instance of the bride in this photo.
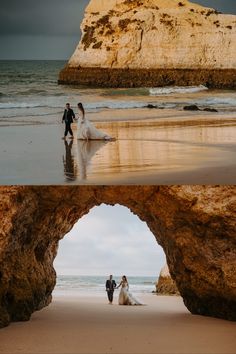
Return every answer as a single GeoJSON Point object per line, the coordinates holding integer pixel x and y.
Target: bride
{"type": "Point", "coordinates": [125, 297]}
{"type": "Point", "coordinates": [86, 129]}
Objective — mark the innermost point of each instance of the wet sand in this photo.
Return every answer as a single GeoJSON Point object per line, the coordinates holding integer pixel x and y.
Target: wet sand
{"type": "Point", "coordinates": [89, 325]}
{"type": "Point", "coordinates": [188, 149]}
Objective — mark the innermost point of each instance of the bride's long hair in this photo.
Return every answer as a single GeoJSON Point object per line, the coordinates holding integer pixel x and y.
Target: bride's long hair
{"type": "Point", "coordinates": [125, 279]}
{"type": "Point", "coordinates": [81, 108]}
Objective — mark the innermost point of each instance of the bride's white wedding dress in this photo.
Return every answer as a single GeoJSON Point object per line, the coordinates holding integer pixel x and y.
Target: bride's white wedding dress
{"type": "Point", "coordinates": [126, 298]}
{"type": "Point", "coordinates": [87, 131]}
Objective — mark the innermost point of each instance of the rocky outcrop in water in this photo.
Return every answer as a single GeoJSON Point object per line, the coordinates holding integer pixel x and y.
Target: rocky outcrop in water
{"type": "Point", "coordinates": [153, 43]}
{"type": "Point", "coordinates": [194, 107]}
{"type": "Point", "coordinates": [165, 284]}
{"type": "Point", "coordinates": [195, 225]}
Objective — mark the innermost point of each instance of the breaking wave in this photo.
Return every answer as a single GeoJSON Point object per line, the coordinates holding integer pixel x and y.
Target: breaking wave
{"type": "Point", "coordinates": [159, 91]}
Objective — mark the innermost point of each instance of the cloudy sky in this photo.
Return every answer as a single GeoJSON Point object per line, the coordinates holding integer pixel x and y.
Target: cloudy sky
{"type": "Point", "coordinates": [109, 240]}
{"type": "Point", "coordinates": [50, 29]}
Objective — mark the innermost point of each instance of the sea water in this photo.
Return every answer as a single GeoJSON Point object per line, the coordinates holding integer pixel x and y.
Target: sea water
{"type": "Point", "coordinates": [83, 285]}
{"type": "Point", "coordinates": [29, 91]}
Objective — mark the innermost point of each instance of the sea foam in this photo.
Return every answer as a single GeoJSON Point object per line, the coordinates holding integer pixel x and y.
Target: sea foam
{"type": "Point", "coordinates": [159, 91]}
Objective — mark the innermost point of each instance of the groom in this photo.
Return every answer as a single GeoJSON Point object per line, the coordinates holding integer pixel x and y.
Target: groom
{"type": "Point", "coordinates": [110, 287]}
{"type": "Point", "coordinates": [68, 117]}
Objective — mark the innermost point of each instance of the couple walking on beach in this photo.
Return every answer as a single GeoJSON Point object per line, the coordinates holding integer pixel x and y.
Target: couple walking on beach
{"type": "Point", "coordinates": [125, 297]}
{"type": "Point", "coordinates": [85, 129]}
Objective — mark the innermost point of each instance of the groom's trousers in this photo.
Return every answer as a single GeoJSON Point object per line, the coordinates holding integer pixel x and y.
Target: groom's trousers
{"type": "Point", "coordinates": [110, 295]}
{"type": "Point", "coordinates": [68, 129]}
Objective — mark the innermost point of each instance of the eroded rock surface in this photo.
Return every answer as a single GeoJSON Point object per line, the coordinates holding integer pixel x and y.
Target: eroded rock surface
{"type": "Point", "coordinates": [195, 225]}
{"type": "Point", "coordinates": [153, 43]}
{"type": "Point", "coordinates": [165, 284]}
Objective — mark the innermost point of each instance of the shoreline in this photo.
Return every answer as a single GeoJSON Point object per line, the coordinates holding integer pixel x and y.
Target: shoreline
{"type": "Point", "coordinates": [88, 325]}
{"type": "Point", "coordinates": [135, 117]}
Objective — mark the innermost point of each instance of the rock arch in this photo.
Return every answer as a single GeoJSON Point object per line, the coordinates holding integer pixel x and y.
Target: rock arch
{"type": "Point", "coordinates": [195, 225]}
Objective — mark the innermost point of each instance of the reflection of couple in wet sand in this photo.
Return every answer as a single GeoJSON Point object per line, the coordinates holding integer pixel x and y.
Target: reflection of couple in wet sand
{"type": "Point", "coordinates": [76, 161]}
{"type": "Point", "coordinates": [125, 297]}
{"type": "Point", "coordinates": [85, 129]}
{"type": "Point", "coordinates": [70, 165]}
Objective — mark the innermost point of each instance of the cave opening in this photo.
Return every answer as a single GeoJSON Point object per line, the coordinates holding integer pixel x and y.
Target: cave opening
{"type": "Point", "coordinates": [195, 225]}
{"type": "Point", "coordinates": [107, 240]}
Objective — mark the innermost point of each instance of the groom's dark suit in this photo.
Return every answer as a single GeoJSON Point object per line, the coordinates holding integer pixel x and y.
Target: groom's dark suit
{"type": "Point", "coordinates": [110, 287]}
{"type": "Point", "coordinates": [68, 119]}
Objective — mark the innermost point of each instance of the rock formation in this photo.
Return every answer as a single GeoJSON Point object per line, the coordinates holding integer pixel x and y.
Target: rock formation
{"type": "Point", "coordinates": [165, 284]}
{"type": "Point", "coordinates": [195, 225]}
{"type": "Point", "coordinates": [153, 43]}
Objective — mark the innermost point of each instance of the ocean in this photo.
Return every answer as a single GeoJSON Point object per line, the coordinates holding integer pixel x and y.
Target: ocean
{"type": "Point", "coordinates": [82, 285]}
{"type": "Point", "coordinates": [29, 93]}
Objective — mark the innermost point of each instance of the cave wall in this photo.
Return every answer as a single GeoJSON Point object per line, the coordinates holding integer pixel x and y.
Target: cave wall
{"type": "Point", "coordinates": [195, 225]}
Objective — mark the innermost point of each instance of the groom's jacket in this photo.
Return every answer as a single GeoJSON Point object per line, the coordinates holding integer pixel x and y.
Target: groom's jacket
{"type": "Point", "coordinates": [110, 285]}
{"type": "Point", "coordinates": [68, 116]}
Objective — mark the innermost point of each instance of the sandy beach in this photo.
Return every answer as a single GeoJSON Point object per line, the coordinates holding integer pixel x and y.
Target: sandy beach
{"type": "Point", "coordinates": [151, 147]}
{"type": "Point", "coordinates": [157, 141]}
{"type": "Point", "coordinates": [73, 325]}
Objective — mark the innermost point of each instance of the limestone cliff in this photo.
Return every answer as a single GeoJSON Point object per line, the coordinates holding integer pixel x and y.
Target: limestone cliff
{"type": "Point", "coordinates": [153, 42]}
{"type": "Point", "coordinates": [165, 284]}
{"type": "Point", "coordinates": [195, 225]}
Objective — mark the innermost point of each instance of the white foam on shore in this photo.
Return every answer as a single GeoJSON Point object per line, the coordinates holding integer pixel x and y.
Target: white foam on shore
{"type": "Point", "coordinates": [12, 105]}
{"type": "Point", "coordinates": [159, 91]}
{"type": "Point", "coordinates": [107, 104]}
{"type": "Point", "coordinates": [218, 101]}
{"type": "Point", "coordinates": [160, 98]}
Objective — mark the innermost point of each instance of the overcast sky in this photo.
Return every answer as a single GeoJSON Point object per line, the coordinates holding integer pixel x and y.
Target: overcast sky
{"type": "Point", "coordinates": [50, 29]}
{"type": "Point", "coordinates": [109, 240]}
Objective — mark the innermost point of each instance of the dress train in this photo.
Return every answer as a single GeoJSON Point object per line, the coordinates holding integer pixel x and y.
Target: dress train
{"type": "Point", "coordinates": [126, 298]}
{"type": "Point", "coordinates": [87, 131]}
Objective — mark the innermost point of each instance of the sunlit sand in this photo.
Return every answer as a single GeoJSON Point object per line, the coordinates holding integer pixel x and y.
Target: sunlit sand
{"type": "Point", "coordinates": [191, 148]}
